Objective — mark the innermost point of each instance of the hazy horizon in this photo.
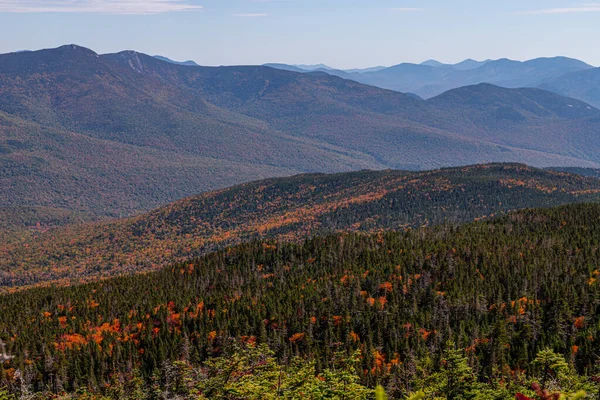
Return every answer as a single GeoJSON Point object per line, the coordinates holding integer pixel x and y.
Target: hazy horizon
{"type": "Point", "coordinates": [296, 64]}
{"type": "Point", "coordinates": [345, 35]}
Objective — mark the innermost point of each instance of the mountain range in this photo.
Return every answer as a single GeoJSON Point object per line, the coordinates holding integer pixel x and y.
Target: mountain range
{"type": "Point", "coordinates": [118, 134]}
{"type": "Point", "coordinates": [561, 75]}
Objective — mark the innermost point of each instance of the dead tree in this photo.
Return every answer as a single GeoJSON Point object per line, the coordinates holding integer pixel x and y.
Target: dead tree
{"type": "Point", "coordinates": [3, 356]}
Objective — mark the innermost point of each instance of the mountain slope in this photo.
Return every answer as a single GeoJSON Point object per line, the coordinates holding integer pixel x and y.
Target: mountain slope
{"type": "Point", "coordinates": [583, 85]}
{"type": "Point", "coordinates": [286, 208]}
{"type": "Point", "coordinates": [500, 291]}
{"type": "Point", "coordinates": [50, 167]}
{"type": "Point", "coordinates": [141, 132]}
{"type": "Point", "coordinates": [519, 118]}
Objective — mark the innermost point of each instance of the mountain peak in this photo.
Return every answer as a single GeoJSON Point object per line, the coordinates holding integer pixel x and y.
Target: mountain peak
{"type": "Point", "coordinates": [73, 48]}
{"type": "Point", "coordinates": [432, 63]}
{"type": "Point", "coordinates": [516, 102]}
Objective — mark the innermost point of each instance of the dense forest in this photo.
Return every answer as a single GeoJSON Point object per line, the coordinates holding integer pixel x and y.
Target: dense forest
{"type": "Point", "coordinates": [479, 311]}
{"type": "Point", "coordinates": [290, 208]}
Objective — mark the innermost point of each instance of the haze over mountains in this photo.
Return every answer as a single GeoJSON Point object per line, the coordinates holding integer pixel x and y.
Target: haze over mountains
{"type": "Point", "coordinates": [122, 133]}
{"type": "Point", "coordinates": [565, 76]}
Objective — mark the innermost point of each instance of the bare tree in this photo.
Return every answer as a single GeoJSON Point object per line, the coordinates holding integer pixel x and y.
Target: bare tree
{"type": "Point", "coordinates": [3, 356]}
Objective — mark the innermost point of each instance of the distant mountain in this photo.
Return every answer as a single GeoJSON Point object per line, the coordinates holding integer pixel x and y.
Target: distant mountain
{"type": "Point", "coordinates": [285, 67]}
{"type": "Point", "coordinates": [405, 77]}
{"type": "Point", "coordinates": [583, 85]}
{"type": "Point", "coordinates": [433, 78]}
{"type": "Point", "coordinates": [346, 74]}
{"type": "Point", "coordinates": [313, 67]}
{"type": "Point", "coordinates": [566, 76]}
{"type": "Point", "coordinates": [469, 64]}
{"type": "Point", "coordinates": [335, 72]}
{"type": "Point", "coordinates": [485, 112]}
{"type": "Point", "coordinates": [433, 63]}
{"type": "Point", "coordinates": [119, 134]}
{"type": "Point", "coordinates": [363, 70]}
{"type": "Point", "coordinates": [461, 66]}
{"type": "Point", "coordinates": [188, 63]}
{"type": "Point", "coordinates": [287, 208]}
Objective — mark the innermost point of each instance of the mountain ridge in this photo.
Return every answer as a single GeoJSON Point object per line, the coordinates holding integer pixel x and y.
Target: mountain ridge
{"type": "Point", "coordinates": [169, 131]}
{"type": "Point", "coordinates": [431, 78]}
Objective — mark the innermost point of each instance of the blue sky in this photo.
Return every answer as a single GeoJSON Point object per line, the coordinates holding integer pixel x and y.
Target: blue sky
{"type": "Point", "coordinates": [341, 33]}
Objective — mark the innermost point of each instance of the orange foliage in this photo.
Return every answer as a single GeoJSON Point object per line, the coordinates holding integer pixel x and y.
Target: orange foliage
{"type": "Point", "coordinates": [386, 286]}
{"type": "Point", "coordinates": [249, 340]}
{"type": "Point", "coordinates": [296, 337]}
{"type": "Point", "coordinates": [70, 341]}
{"type": "Point", "coordinates": [345, 280]}
{"type": "Point", "coordinates": [425, 333]}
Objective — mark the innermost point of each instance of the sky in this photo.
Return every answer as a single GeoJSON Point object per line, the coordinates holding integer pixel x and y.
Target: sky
{"type": "Point", "coordinates": [340, 33]}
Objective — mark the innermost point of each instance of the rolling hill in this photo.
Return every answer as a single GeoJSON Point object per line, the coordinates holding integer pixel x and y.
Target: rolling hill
{"type": "Point", "coordinates": [119, 134]}
{"type": "Point", "coordinates": [286, 209]}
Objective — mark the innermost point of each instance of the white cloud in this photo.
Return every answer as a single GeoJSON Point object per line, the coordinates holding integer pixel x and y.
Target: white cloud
{"type": "Point", "coordinates": [584, 8]}
{"type": "Point", "coordinates": [97, 6]}
{"type": "Point", "coordinates": [251, 15]}
{"type": "Point", "coordinates": [407, 9]}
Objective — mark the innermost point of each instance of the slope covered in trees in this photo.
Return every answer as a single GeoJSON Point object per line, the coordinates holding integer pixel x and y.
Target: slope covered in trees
{"type": "Point", "coordinates": [495, 304]}
{"type": "Point", "coordinates": [286, 208]}
{"type": "Point", "coordinates": [580, 171]}
{"type": "Point", "coordinates": [123, 133]}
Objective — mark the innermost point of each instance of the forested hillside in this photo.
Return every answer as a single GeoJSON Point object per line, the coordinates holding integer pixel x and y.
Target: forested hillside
{"type": "Point", "coordinates": [477, 311]}
{"type": "Point", "coordinates": [583, 85]}
{"type": "Point", "coordinates": [580, 171]}
{"type": "Point", "coordinates": [285, 208]}
{"type": "Point", "coordinates": [119, 134]}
